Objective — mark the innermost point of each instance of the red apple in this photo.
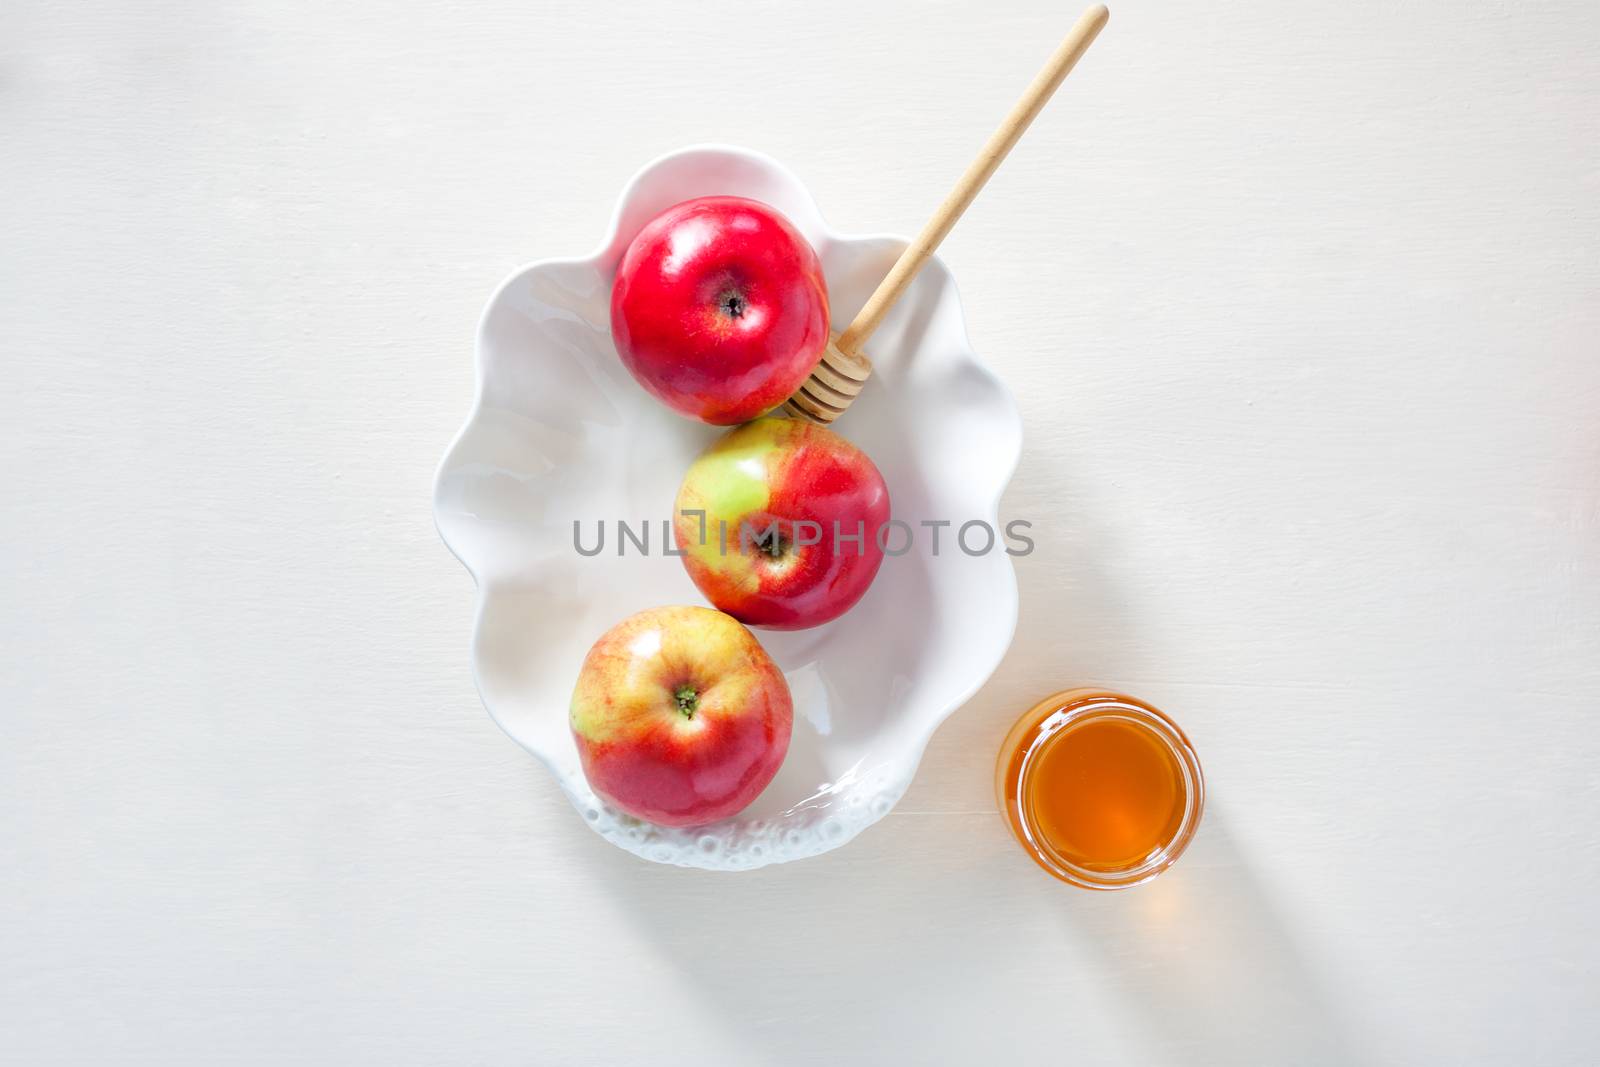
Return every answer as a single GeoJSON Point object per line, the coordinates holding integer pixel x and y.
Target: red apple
{"type": "Point", "coordinates": [789, 536]}
{"type": "Point", "coordinates": [719, 309]}
{"type": "Point", "coordinates": [680, 716]}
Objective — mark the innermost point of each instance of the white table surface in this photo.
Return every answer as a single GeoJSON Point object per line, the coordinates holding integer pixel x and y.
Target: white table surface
{"type": "Point", "coordinates": [1301, 303]}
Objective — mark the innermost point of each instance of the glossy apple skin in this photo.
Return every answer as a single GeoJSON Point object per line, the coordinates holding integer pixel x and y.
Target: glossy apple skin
{"type": "Point", "coordinates": [720, 309]}
{"type": "Point", "coordinates": [793, 472]}
{"type": "Point", "coordinates": [643, 754]}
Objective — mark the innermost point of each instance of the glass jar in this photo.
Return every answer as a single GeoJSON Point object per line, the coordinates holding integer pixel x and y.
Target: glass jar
{"type": "Point", "coordinates": [1101, 789]}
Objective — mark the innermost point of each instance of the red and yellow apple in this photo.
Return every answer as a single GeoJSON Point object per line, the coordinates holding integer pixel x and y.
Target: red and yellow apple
{"type": "Point", "coordinates": [720, 309]}
{"type": "Point", "coordinates": [778, 522]}
{"type": "Point", "coordinates": [680, 716]}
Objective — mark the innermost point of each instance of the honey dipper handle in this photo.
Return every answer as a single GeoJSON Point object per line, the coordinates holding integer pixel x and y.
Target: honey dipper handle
{"type": "Point", "coordinates": [1005, 138]}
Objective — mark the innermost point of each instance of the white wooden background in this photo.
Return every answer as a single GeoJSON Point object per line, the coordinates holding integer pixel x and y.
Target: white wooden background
{"type": "Point", "coordinates": [1301, 303]}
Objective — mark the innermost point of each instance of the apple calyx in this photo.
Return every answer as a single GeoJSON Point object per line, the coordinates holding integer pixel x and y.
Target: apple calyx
{"type": "Point", "coordinates": [732, 303]}
{"type": "Point", "coordinates": [687, 699]}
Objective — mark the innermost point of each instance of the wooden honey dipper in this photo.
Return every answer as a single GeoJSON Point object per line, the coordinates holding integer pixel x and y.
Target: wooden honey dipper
{"type": "Point", "coordinates": [844, 368]}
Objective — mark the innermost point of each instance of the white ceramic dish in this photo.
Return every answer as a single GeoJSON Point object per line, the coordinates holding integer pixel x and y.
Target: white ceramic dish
{"type": "Point", "coordinates": [561, 433]}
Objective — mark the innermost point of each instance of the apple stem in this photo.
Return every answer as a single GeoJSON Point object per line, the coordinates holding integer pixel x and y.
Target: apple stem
{"type": "Point", "coordinates": [688, 700]}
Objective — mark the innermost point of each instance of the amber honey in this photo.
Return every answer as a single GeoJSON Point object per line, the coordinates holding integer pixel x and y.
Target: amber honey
{"type": "Point", "coordinates": [1102, 790]}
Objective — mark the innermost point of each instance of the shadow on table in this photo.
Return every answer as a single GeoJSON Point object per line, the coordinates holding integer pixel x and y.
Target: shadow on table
{"type": "Point", "coordinates": [1204, 952]}
{"type": "Point", "coordinates": [909, 946]}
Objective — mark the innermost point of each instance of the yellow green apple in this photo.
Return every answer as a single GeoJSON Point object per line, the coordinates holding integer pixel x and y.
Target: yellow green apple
{"type": "Point", "coordinates": [680, 716]}
{"type": "Point", "coordinates": [779, 523]}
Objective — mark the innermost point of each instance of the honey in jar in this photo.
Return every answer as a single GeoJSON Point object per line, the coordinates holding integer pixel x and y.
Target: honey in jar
{"type": "Point", "coordinates": [1102, 790]}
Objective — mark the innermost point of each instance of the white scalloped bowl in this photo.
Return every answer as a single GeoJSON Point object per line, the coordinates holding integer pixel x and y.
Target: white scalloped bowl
{"type": "Point", "coordinates": [560, 433]}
